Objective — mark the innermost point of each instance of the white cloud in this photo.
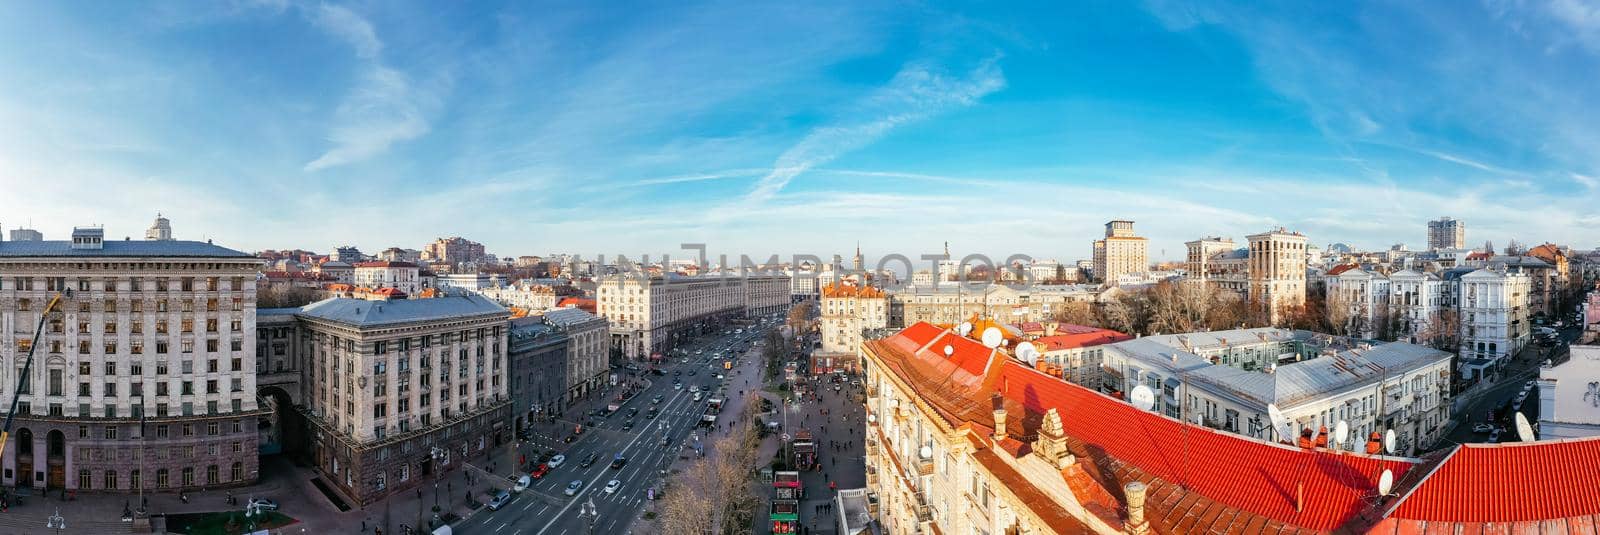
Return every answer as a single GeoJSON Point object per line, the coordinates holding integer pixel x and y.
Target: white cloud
{"type": "Point", "coordinates": [916, 93]}
{"type": "Point", "coordinates": [1586, 181]}
{"type": "Point", "coordinates": [346, 24]}
{"type": "Point", "coordinates": [382, 110]}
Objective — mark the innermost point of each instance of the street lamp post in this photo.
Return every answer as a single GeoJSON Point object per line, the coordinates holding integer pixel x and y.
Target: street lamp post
{"type": "Point", "coordinates": [589, 511]}
{"type": "Point", "coordinates": [55, 522]}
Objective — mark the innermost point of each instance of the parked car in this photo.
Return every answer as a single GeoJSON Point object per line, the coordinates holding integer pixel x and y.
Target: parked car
{"type": "Point", "coordinates": [1482, 428]}
{"type": "Point", "coordinates": [556, 461]}
{"type": "Point", "coordinates": [540, 471]}
{"type": "Point", "coordinates": [572, 488]}
{"type": "Point", "coordinates": [500, 500]}
{"type": "Point", "coordinates": [589, 460]}
{"type": "Point", "coordinates": [612, 486]}
{"type": "Point", "coordinates": [263, 504]}
{"type": "Point", "coordinates": [522, 484]}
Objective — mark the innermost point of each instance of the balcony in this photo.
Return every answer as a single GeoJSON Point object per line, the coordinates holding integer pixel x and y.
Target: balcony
{"type": "Point", "coordinates": [924, 514]}
{"type": "Point", "coordinates": [925, 467]}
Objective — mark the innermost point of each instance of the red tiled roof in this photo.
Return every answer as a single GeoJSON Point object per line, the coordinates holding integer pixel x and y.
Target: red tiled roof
{"type": "Point", "coordinates": [1258, 477]}
{"type": "Point", "coordinates": [1080, 339]}
{"type": "Point", "coordinates": [1341, 268]}
{"type": "Point", "coordinates": [1510, 483]}
{"type": "Point", "coordinates": [1480, 255]}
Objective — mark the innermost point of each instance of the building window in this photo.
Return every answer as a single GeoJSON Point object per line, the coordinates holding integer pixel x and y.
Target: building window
{"type": "Point", "coordinates": [238, 470]}
{"type": "Point", "coordinates": [162, 478]}
{"type": "Point", "coordinates": [211, 475]}
{"type": "Point", "coordinates": [188, 476]}
{"type": "Point", "coordinates": [85, 481]}
{"type": "Point", "coordinates": [110, 479]}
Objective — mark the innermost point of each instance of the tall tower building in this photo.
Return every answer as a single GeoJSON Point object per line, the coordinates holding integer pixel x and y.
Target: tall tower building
{"type": "Point", "coordinates": [1446, 233]}
{"type": "Point", "coordinates": [160, 231]}
{"type": "Point", "coordinates": [859, 263]}
{"type": "Point", "coordinates": [1121, 252]}
{"type": "Point", "coordinates": [1278, 271]}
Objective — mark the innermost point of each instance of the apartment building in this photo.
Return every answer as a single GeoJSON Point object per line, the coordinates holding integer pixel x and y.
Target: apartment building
{"type": "Point", "coordinates": [651, 314]}
{"type": "Point", "coordinates": [403, 276]}
{"type": "Point", "coordinates": [155, 331]}
{"type": "Point", "coordinates": [847, 310]}
{"type": "Point", "coordinates": [398, 389]}
{"type": "Point", "coordinates": [1277, 269]}
{"type": "Point", "coordinates": [1120, 252]}
{"type": "Point", "coordinates": [1446, 233]}
{"type": "Point", "coordinates": [1494, 314]}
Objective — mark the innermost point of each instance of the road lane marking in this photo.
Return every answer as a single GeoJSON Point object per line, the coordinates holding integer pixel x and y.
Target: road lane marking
{"type": "Point", "coordinates": [502, 526]}
{"type": "Point", "coordinates": [597, 477]}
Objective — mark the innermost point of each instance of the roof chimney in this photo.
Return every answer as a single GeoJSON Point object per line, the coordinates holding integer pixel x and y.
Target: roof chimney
{"type": "Point", "coordinates": [999, 416]}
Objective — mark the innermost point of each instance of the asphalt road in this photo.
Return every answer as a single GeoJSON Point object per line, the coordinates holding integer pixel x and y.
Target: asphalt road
{"type": "Point", "coordinates": [544, 509]}
{"type": "Point", "coordinates": [1518, 372]}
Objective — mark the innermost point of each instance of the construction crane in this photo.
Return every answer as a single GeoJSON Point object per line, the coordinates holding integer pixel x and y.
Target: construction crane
{"type": "Point", "coordinates": [16, 394]}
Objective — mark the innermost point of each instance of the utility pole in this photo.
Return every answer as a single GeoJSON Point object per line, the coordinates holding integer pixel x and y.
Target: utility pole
{"type": "Point", "coordinates": [589, 511]}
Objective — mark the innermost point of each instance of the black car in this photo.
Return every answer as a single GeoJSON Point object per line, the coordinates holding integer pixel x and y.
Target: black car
{"type": "Point", "coordinates": [691, 373]}
{"type": "Point", "coordinates": [619, 462]}
{"type": "Point", "coordinates": [628, 426]}
{"type": "Point", "coordinates": [651, 415]}
{"type": "Point", "coordinates": [677, 372]}
{"type": "Point", "coordinates": [544, 457]}
{"type": "Point", "coordinates": [589, 460]}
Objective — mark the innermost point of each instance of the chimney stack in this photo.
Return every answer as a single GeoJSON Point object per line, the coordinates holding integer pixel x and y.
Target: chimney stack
{"type": "Point", "coordinates": [999, 416]}
{"type": "Point", "coordinates": [1134, 493]}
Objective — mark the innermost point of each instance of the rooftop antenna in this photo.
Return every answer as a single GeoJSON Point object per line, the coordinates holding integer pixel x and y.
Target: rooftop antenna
{"type": "Point", "coordinates": [992, 337]}
{"type": "Point", "coordinates": [1341, 433]}
{"type": "Point", "coordinates": [1279, 423]}
{"type": "Point", "coordinates": [1143, 398]}
{"type": "Point", "coordinates": [1028, 353]}
{"type": "Point", "coordinates": [1525, 431]}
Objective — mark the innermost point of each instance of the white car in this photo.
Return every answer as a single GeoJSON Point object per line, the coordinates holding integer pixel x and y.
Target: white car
{"type": "Point", "coordinates": [572, 488]}
{"type": "Point", "coordinates": [263, 504]}
{"type": "Point", "coordinates": [1483, 428]}
{"type": "Point", "coordinates": [556, 461]}
{"type": "Point", "coordinates": [522, 484]}
{"type": "Point", "coordinates": [612, 486]}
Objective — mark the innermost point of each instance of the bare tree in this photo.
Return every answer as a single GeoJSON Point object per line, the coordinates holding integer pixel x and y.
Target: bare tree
{"type": "Point", "coordinates": [1442, 331]}
{"type": "Point", "coordinates": [1077, 313]}
{"type": "Point", "coordinates": [1338, 316]}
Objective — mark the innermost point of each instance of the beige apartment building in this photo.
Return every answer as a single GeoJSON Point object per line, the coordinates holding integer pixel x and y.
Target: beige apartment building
{"type": "Point", "coordinates": [159, 331]}
{"type": "Point", "coordinates": [1277, 271]}
{"type": "Point", "coordinates": [650, 314]}
{"type": "Point", "coordinates": [848, 310]}
{"type": "Point", "coordinates": [1120, 252]}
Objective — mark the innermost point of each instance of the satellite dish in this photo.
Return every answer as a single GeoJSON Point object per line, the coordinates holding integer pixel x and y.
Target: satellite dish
{"type": "Point", "coordinates": [1341, 433]}
{"type": "Point", "coordinates": [1524, 431]}
{"type": "Point", "coordinates": [1388, 441]}
{"type": "Point", "coordinates": [1143, 397]}
{"type": "Point", "coordinates": [1199, 419]}
{"type": "Point", "coordinates": [992, 337]}
{"type": "Point", "coordinates": [1279, 423]}
{"type": "Point", "coordinates": [1028, 353]}
{"type": "Point", "coordinates": [925, 452]}
{"type": "Point", "coordinates": [949, 350]}
{"type": "Point", "coordinates": [964, 328]}
{"type": "Point", "coordinates": [1385, 482]}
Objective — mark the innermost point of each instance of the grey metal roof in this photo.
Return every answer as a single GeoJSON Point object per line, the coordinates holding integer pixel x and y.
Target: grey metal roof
{"type": "Point", "coordinates": [567, 317]}
{"type": "Point", "coordinates": [364, 313]}
{"type": "Point", "coordinates": [126, 248]}
{"type": "Point", "coordinates": [1288, 384]}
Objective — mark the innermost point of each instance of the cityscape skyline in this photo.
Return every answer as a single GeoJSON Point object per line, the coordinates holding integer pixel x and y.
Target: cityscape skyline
{"type": "Point", "coordinates": [541, 130]}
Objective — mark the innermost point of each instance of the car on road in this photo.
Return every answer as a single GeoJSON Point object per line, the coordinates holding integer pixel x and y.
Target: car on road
{"type": "Point", "coordinates": [1516, 405]}
{"type": "Point", "coordinates": [572, 488]}
{"type": "Point", "coordinates": [263, 504]}
{"type": "Point", "coordinates": [589, 460]}
{"type": "Point", "coordinates": [618, 462]}
{"type": "Point", "coordinates": [651, 415]}
{"type": "Point", "coordinates": [677, 372]}
{"type": "Point", "coordinates": [1529, 385]}
{"type": "Point", "coordinates": [1494, 437]}
{"type": "Point", "coordinates": [612, 486]}
{"type": "Point", "coordinates": [545, 455]}
{"type": "Point", "coordinates": [677, 386]}
{"type": "Point", "coordinates": [691, 373]}
{"type": "Point", "coordinates": [1483, 428]}
{"type": "Point", "coordinates": [556, 461]}
{"type": "Point", "coordinates": [522, 484]}
{"type": "Point", "coordinates": [656, 399]}
{"type": "Point", "coordinates": [540, 471]}
{"type": "Point", "coordinates": [627, 426]}
{"type": "Point", "coordinates": [500, 500]}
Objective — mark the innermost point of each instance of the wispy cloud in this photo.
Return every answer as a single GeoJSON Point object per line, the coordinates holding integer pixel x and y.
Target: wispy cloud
{"type": "Point", "coordinates": [702, 177]}
{"type": "Point", "coordinates": [917, 92]}
{"type": "Point", "coordinates": [346, 24]}
{"type": "Point", "coordinates": [1588, 182]}
{"type": "Point", "coordinates": [382, 109]}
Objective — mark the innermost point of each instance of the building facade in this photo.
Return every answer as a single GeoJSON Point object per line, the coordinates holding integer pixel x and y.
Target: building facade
{"type": "Point", "coordinates": [1494, 316]}
{"type": "Point", "coordinates": [651, 314]}
{"type": "Point", "coordinates": [403, 276]}
{"type": "Point", "coordinates": [391, 381]}
{"type": "Point", "coordinates": [538, 370]}
{"type": "Point", "coordinates": [847, 310]}
{"type": "Point", "coordinates": [454, 251]}
{"type": "Point", "coordinates": [1569, 395]}
{"type": "Point", "coordinates": [588, 350]}
{"type": "Point", "coordinates": [144, 377]}
{"type": "Point", "coordinates": [1277, 269]}
{"type": "Point", "coordinates": [1120, 252]}
{"type": "Point", "coordinates": [526, 296]}
{"type": "Point", "coordinates": [1446, 233]}
{"type": "Point", "coordinates": [1218, 263]}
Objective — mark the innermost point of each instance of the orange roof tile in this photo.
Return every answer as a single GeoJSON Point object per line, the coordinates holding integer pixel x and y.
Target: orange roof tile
{"type": "Point", "coordinates": [1509, 482]}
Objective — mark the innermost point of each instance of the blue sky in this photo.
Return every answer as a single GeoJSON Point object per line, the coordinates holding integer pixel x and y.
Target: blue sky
{"type": "Point", "coordinates": [802, 127]}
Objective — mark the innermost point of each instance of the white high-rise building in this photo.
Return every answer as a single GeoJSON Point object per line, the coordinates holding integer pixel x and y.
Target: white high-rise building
{"type": "Point", "coordinates": [1362, 301]}
{"type": "Point", "coordinates": [1494, 316]}
{"type": "Point", "coordinates": [1278, 271]}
